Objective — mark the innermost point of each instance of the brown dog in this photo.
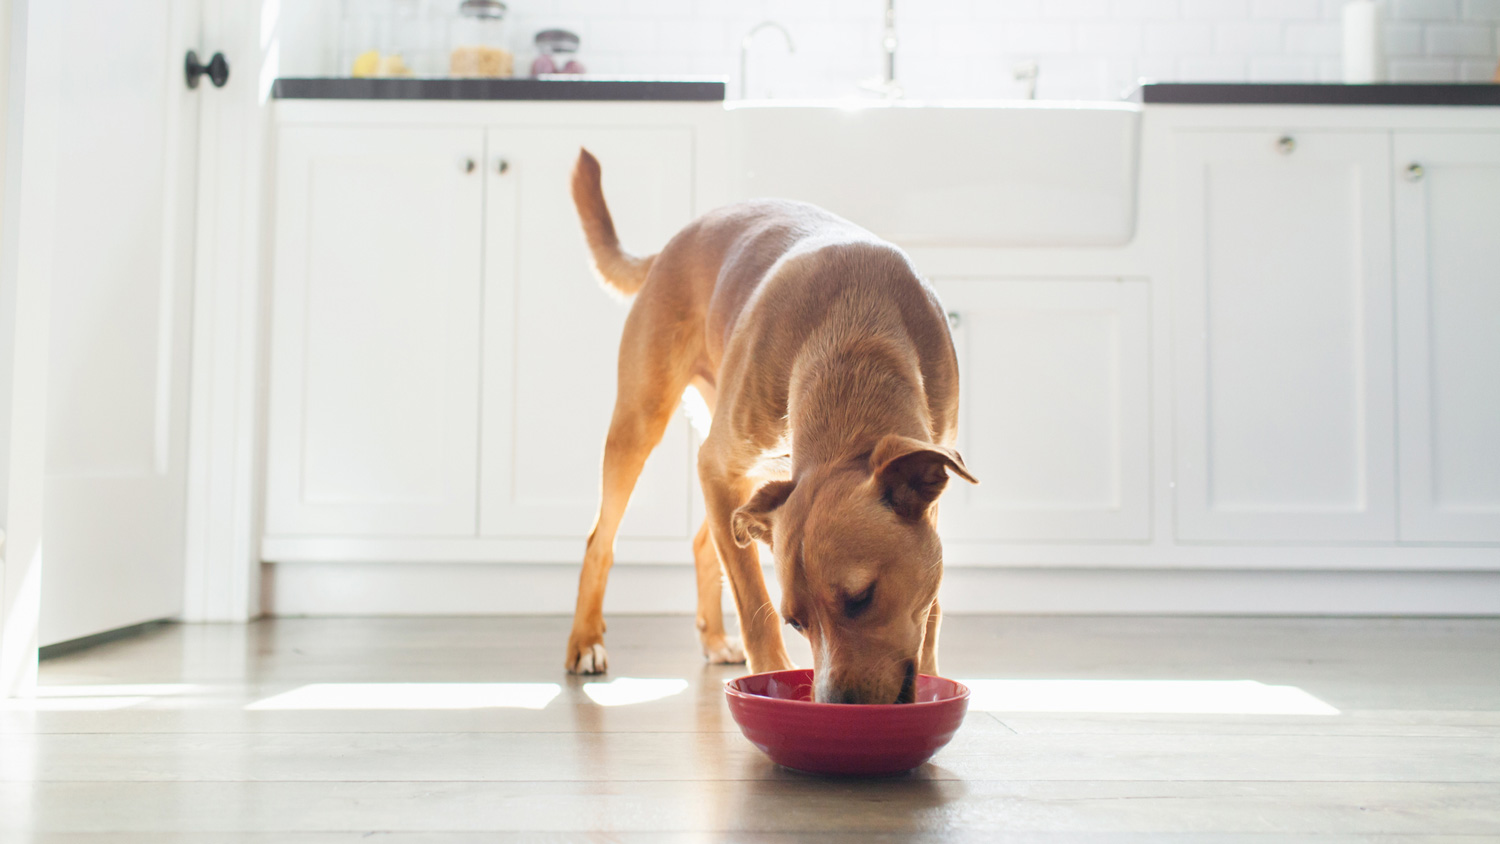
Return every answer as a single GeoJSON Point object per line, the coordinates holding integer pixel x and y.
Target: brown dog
{"type": "Point", "coordinates": [811, 339]}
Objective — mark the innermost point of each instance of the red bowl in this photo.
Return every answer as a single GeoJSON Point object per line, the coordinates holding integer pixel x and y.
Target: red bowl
{"type": "Point", "coordinates": [777, 713]}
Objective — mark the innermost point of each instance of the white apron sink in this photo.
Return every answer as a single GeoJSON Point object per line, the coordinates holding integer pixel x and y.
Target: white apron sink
{"type": "Point", "coordinates": [963, 174]}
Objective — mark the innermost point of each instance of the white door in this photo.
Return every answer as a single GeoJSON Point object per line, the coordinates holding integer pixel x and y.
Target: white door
{"type": "Point", "coordinates": [117, 403]}
{"type": "Point", "coordinates": [1054, 410]}
{"type": "Point", "coordinates": [374, 405]}
{"type": "Point", "coordinates": [1283, 337]}
{"type": "Point", "coordinates": [1448, 335]}
{"type": "Point", "coordinates": [552, 332]}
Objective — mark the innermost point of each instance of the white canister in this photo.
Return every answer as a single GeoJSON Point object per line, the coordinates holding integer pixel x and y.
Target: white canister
{"type": "Point", "coordinates": [1364, 56]}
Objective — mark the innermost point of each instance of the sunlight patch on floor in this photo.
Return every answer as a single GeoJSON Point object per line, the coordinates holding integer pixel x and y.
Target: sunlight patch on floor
{"type": "Point", "coordinates": [413, 696]}
{"type": "Point", "coordinates": [94, 698]}
{"type": "Point", "coordinates": [1177, 697]}
{"type": "Point", "coordinates": [627, 690]}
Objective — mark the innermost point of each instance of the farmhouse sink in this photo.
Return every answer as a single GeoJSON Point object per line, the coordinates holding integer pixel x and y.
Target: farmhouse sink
{"type": "Point", "coordinates": [949, 174]}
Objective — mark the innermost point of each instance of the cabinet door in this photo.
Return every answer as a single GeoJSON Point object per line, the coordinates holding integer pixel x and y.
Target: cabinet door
{"type": "Point", "coordinates": [1283, 337]}
{"type": "Point", "coordinates": [1054, 408]}
{"type": "Point", "coordinates": [375, 340]}
{"type": "Point", "coordinates": [552, 332]}
{"type": "Point", "coordinates": [1448, 335]}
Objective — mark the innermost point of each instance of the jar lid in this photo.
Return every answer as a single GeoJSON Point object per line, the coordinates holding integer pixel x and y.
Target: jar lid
{"type": "Point", "coordinates": [482, 9]}
{"type": "Point", "coordinates": [557, 40]}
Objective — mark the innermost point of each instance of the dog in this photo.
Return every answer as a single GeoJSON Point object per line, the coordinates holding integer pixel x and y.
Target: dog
{"type": "Point", "coordinates": [830, 370]}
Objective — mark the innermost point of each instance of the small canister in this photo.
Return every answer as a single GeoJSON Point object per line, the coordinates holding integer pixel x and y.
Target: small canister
{"type": "Point", "coordinates": [557, 51]}
{"type": "Point", "coordinates": [479, 42]}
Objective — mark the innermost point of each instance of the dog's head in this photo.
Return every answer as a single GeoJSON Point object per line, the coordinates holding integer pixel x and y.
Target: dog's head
{"type": "Point", "coordinates": [859, 560]}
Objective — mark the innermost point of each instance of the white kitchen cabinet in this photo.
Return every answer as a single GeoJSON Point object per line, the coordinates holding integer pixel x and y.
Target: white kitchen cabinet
{"type": "Point", "coordinates": [551, 331]}
{"type": "Point", "coordinates": [1447, 208]}
{"type": "Point", "coordinates": [1054, 410]}
{"type": "Point", "coordinates": [374, 404]}
{"type": "Point", "coordinates": [1283, 337]}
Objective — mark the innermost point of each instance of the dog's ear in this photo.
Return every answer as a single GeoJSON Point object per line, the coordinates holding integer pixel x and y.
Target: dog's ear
{"type": "Point", "coordinates": [753, 521]}
{"type": "Point", "coordinates": [912, 474]}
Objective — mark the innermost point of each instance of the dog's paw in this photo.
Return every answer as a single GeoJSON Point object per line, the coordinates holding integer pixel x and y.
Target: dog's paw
{"type": "Point", "coordinates": [726, 651]}
{"type": "Point", "coordinates": [587, 659]}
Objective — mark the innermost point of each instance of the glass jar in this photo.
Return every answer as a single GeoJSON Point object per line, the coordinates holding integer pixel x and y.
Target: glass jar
{"type": "Point", "coordinates": [479, 41]}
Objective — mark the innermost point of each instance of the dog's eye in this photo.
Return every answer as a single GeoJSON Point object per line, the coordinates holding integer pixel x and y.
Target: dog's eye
{"type": "Point", "coordinates": [794, 624]}
{"type": "Point", "coordinates": [856, 604]}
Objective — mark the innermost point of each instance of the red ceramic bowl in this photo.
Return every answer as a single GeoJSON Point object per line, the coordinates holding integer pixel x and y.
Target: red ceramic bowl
{"type": "Point", "coordinates": [777, 713]}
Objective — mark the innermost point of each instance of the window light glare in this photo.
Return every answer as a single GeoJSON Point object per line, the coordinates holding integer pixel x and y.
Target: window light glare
{"type": "Point", "coordinates": [413, 696]}
{"type": "Point", "coordinates": [627, 690]}
{"type": "Point", "coordinates": [1176, 697]}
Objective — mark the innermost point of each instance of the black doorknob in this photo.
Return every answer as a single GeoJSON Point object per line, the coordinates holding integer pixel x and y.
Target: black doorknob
{"type": "Point", "coordinates": [217, 69]}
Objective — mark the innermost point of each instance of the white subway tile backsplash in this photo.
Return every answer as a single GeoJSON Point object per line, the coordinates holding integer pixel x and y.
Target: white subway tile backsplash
{"type": "Point", "coordinates": [1283, 69]}
{"type": "Point", "coordinates": [1482, 10]}
{"type": "Point", "coordinates": [657, 8]}
{"type": "Point", "coordinates": [1107, 39]}
{"type": "Point", "coordinates": [1080, 9]}
{"type": "Point", "coordinates": [1146, 9]}
{"type": "Point", "coordinates": [1215, 10]}
{"type": "Point", "coordinates": [623, 35]}
{"type": "Point", "coordinates": [1403, 39]}
{"type": "Point", "coordinates": [1037, 37]}
{"type": "Point", "coordinates": [1423, 70]}
{"type": "Point", "coordinates": [1157, 68]}
{"type": "Point", "coordinates": [1221, 68]}
{"type": "Point", "coordinates": [1314, 39]}
{"type": "Point", "coordinates": [1470, 70]}
{"type": "Point", "coordinates": [1425, 10]}
{"type": "Point", "coordinates": [1006, 9]}
{"type": "Point", "coordinates": [1286, 9]}
{"type": "Point", "coordinates": [1248, 37]}
{"type": "Point", "coordinates": [1182, 38]}
{"type": "Point", "coordinates": [969, 48]}
{"type": "Point", "coordinates": [1460, 40]}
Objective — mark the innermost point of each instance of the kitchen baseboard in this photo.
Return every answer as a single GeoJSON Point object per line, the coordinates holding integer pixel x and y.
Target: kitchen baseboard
{"type": "Point", "coordinates": [343, 589]}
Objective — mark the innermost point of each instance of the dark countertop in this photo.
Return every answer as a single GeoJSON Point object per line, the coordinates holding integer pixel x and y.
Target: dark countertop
{"type": "Point", "coordinates": [552, 88]}
{"type": "Point", "coordinates": [1386, 93]}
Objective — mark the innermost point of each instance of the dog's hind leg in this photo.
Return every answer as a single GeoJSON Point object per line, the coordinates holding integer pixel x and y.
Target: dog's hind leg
{"type": "Point", "coordinates": [718, 647]}
{"type": "Point", "coordinates": [652, 377]}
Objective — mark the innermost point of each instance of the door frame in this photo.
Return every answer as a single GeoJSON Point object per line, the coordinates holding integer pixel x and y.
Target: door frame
{"type": "Point", "coordinates": [226, 428]}
{"type": "Point", "coordinates": [31, 52]}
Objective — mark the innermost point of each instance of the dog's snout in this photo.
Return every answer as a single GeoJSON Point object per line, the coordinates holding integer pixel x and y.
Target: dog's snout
{"type": "Point", "coordinates": [900, 688]}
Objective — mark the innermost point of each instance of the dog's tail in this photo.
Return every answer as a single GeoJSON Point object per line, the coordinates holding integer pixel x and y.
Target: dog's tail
{"type": "Point", "coordinates": [619, 271]}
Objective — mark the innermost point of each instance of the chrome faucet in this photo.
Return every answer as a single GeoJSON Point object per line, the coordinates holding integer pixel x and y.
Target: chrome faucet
{"type": "Point", "coordinates": [745, 48]}
{"type": "Point", "coordinates": [886, 85]}
{"type": "Point", "coordinates": [1027, 72]}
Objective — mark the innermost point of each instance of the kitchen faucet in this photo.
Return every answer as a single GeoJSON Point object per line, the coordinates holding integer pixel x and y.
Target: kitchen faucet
{"type": "Point", "coordinates": [886, 85]}
{"type": "Point", "coordinates": [745, 48]}
{"type": "Point", "coordinates": [1027, 72]}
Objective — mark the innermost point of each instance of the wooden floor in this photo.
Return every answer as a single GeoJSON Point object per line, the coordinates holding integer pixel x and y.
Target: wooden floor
{"type": "Point", "coordinates": [215, 734]}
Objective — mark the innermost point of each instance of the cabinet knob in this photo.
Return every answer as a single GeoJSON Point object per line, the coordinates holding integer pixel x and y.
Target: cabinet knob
{"type": "Point", "coordinates": [1414, 172]}
{"type": "Point", "coordinates": [954, 320]}
{"type": "Point", "coordinates": [502, 166]}
{"type": "Point", "coordinates": [217, 69]}
{"type": "Point", "coordinates": [467, 165]}
{"type": "Point", "coordinates": [1286, 145]}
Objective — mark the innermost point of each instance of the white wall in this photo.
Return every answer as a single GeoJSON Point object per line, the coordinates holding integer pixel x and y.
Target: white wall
{"type": "Point", "coordinates": [1086, 49]}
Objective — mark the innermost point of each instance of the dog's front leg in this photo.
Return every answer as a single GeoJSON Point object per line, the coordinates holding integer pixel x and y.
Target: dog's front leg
{"type": "Point", "coordinates": [928, 662]}
{"type": "Point", "coordinates": [760, 624]}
